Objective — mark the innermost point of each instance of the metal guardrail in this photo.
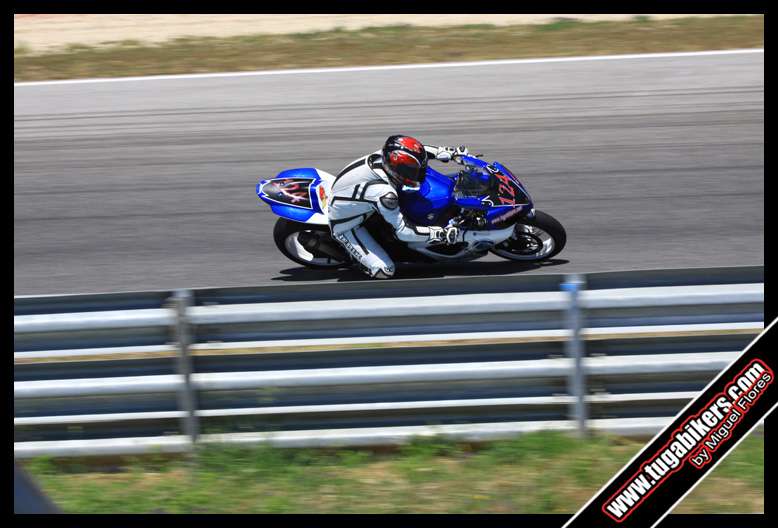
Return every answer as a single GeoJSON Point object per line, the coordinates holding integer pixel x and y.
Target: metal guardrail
{"type": "Point", "coordinates": [387, 316]}
{"type": "Point", "coordinates": [209, 366]}
{"type": "Point", "coordinates": [48, 304]}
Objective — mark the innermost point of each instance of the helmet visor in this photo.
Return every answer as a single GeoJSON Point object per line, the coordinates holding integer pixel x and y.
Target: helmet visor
{"type": "Point", "coordinates": [406, 169]}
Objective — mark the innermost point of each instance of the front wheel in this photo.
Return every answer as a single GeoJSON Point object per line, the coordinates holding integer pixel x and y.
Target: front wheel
{"type": "Point", "coordinates": [308, 244]}
{"type": "Point", "coordinates": [532, 240]}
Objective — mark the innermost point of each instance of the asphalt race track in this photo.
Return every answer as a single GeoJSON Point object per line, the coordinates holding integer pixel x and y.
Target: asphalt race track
{"type": "Point", "coordinates": [137, 185]}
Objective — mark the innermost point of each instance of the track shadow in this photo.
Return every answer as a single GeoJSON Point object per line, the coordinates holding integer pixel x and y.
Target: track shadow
{"type": "Point", "coordinates": [419, 271]}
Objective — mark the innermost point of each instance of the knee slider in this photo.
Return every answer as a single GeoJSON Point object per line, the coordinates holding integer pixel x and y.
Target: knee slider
{"type": "Point", "coordinates": [384, 273]}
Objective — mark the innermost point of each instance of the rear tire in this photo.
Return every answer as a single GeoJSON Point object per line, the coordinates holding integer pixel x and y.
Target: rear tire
{"type": "Point", "coordinates": [285, 236]}
{"type": "Point", "coordinates": [534, 240]}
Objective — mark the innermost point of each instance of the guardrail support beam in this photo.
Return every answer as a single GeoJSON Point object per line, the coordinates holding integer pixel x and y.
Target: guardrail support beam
{"type": "Point", "coordinates": [187, 401]}
{"type": "Point", "coordinates": [574, 349]}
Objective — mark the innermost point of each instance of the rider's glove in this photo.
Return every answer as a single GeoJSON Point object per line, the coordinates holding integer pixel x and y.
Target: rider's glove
{"type": "Point", "coordinates": [445, 154]}
{"type": "Point", "coordinates": [461, 151]}
{"type": "Point", "coordinates": [437, 235]}
{"type": "Point", "coordinates": [446, 235]}
{"type": "Point", "coordinates": [454, 235]}
{"type": "Point", "coordinates": [458, 153]}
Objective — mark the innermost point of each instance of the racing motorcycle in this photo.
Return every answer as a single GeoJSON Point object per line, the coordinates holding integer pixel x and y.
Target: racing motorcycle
{"type": "Point", "coordinates": [485, 199]}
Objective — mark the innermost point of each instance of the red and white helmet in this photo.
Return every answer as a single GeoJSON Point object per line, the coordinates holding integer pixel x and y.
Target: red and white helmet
{"type": "Point", "coordinates": [405, 161]}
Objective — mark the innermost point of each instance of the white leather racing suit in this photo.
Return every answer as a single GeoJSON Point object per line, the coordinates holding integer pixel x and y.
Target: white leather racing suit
{"type": "Point", "coordinates": [360, 190]}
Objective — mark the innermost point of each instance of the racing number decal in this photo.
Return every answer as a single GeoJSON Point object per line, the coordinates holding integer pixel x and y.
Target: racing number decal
{"type": "Point", "coordinates": [506, 193]}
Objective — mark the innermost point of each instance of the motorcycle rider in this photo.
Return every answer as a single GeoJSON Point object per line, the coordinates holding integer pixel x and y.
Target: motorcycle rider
{"type": "Point", "coordinates": [371, 184]}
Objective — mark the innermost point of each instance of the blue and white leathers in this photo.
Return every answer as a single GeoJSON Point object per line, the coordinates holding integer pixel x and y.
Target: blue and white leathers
{"type": "Point", "coordinates": [360, 190]}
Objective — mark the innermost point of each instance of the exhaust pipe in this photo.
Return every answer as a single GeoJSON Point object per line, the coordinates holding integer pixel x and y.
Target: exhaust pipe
{"type": "Point", "coordinates": [314, 243]}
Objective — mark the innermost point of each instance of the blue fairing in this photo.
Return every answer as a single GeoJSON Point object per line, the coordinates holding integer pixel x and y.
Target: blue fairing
{"type": "Point", "coordinates": [292, 213]}
{"type": "Point", "coordinates": [436, 195]}
{"type": "Point", "coordinates": [424, 207]}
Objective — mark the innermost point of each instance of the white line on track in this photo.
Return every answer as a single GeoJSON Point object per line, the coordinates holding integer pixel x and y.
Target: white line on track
{"type": "Point", "coordinates": [590, 58]}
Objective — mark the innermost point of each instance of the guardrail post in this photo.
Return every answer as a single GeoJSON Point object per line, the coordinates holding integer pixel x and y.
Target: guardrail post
{"type": "Point", "coordinates": [187, 402]}
{"type": "Point", "coordinates": [574, 349]}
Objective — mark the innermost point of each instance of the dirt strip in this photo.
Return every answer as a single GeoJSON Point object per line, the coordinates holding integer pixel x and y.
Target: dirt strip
{"type": "Point", "coordinates": [46, 32]}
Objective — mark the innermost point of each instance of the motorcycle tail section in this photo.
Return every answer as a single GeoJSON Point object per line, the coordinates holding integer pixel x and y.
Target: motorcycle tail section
{"type": "Point", "coordinates": [301, 195]}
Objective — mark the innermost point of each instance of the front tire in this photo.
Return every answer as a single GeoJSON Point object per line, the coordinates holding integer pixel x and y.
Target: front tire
{"type": "Point", "coordinates": [285, 235]}
{"type": "Point", "coordinates": [534, 240]}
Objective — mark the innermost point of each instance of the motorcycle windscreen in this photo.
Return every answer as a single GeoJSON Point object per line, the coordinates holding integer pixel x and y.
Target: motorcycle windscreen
{"type": "Point", "coordinates": [487, 189]}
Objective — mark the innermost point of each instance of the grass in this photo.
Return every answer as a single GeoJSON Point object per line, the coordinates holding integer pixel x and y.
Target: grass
{"type": "Point", "coordinates": [543, 472]}
{"type": "Point", "coordinates": [389, 45]}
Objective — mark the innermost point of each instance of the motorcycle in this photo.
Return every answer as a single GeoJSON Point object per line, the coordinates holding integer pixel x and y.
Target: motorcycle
{"type": "Point", "coordinates": [485, 199]}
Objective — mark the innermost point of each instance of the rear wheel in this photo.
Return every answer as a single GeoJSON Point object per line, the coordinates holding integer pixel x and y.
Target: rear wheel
{"type": "Point", "coordinates": [308, 244]}
{"type": "Point", "coordinates": [533, 240]}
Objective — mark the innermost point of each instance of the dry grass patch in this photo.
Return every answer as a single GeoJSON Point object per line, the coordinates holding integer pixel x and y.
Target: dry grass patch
{"type": "Point", "coordinates": [545, 472]}
{"type": "Point", "coordinates": [379, 45]}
